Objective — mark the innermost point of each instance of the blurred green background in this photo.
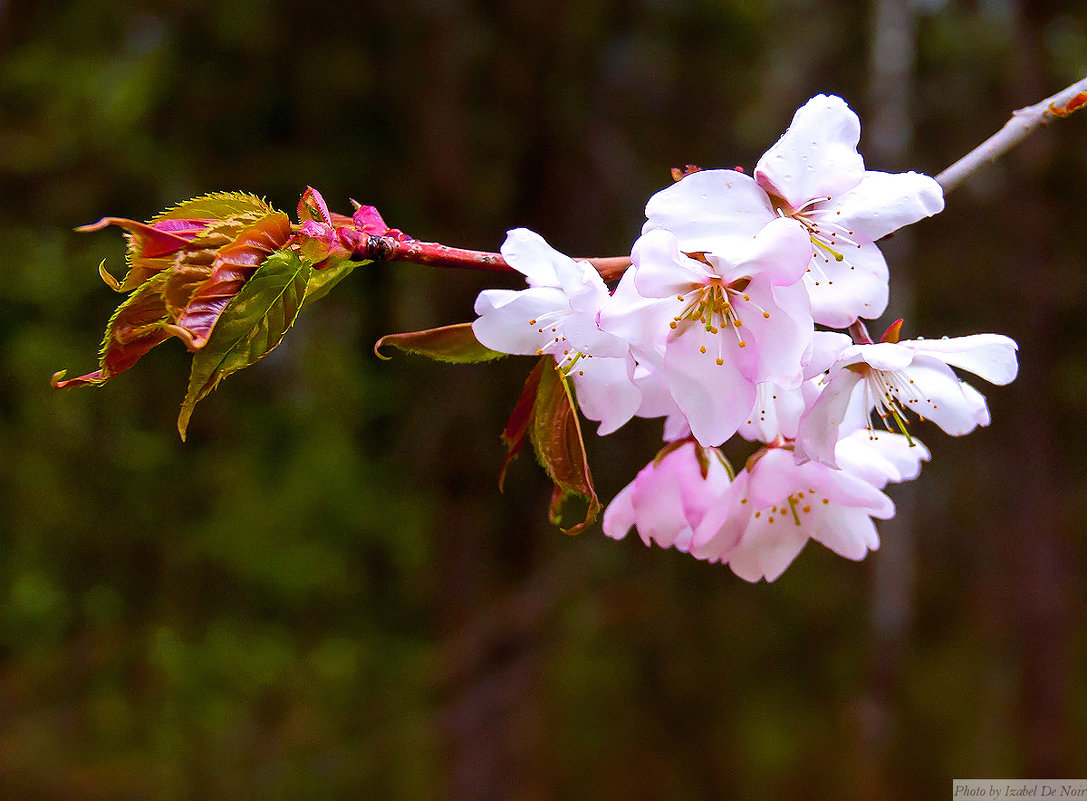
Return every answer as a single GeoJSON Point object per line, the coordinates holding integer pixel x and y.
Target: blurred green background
{"type": "Point", "coordinates": [323, 595]}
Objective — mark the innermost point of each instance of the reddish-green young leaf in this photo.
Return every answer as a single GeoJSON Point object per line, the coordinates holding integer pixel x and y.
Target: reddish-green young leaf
{"type": "Point", "coordinates": [556, 437]}
{"type": "Point", "coordinates": [322, 281]}
{"type": "Point", "coordinates": [251, 325]}
{"type": "Point", "coordinates": [153, 246]}
{"type": "Point", "coordinates": [233, 265]}
{"type": "Point", "coordinates": [216, 206]}
{"type": "Point", "coordinates": [193, 264]}
{"type": "Point", "coordinates": [451, 343]}
{"type": "Point", "coordinates": [137, 326]}
{"type": "Point", "coordinates": [521, 418]}
{"type": "Point", "coordinates": [150, 249]}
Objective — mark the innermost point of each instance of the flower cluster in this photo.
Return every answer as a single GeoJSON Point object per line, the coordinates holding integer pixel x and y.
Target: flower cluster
{"type": "Point", "coordinates": [713, 327]}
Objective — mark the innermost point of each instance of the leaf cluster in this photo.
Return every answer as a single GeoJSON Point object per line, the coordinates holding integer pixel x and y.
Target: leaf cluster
{"type": "Point", "coordinates": [223, 273]}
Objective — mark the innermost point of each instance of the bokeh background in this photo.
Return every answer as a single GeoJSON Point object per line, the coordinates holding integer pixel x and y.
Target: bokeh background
{"type": "Point", "coordinates": [323, 595]}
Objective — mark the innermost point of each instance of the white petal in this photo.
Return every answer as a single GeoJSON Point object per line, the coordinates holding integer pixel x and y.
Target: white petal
{"type": "Point", "coordinates": [817, 156]}
{"type": "Point", "coordinates": [619, 516]}
{"type": "Point", "coordinates": [989, 356]}
{"type": "Point", "coordinates": [724, 523]}
{"type": "Point", "coordinates": [780, 252]}
{"type": "Point", "coordinates": [842, 291]}
{"type": "Point", "coordinates": [714, 398]}
{"type": "Point", "coordinates": [643, 322]}
{"type": "Point", "coordinates": [766, 550]}
{"type": "Point", "coordinates": [776, 411]}
{"type": "Point", "coordinates": [845, 489]}
{"type": "Point", "coordinates": [821, 425]}
{"type": "Point", "coordinates": [605, 391]}
{"type": "Point", "coordinates": [827, 346]}
{"type": "Point", "coordinates": [661, 270]}
{"type": "Point", "coordinates": [778, 345]}
{"type": "Point", "coordinates": [706, 209]}
{"type": "Point", "coordinates": [880, 456]}
{"type": "Point", "coordinates": [847, 531]}
{"type": "Point", "coordinates": [504, 322]}
{"type": "Point", "coordinates": [884, 202]}
{"type": "Point", "coordinates": [528, 253]}
{"type": "Point", "coordinates": [938, 395]}
{"type": "Point", "coordinates": [881, 355]}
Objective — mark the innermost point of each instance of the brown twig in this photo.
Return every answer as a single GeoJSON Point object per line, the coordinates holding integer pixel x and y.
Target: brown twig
{"type": "Point", "coordinates": [1022, 123]}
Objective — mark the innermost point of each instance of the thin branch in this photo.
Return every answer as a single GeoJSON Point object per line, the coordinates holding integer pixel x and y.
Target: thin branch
{"type": "Point", "coordinates": [1022, 123]}
{"type": "Point", "coordinates": [390, 248]}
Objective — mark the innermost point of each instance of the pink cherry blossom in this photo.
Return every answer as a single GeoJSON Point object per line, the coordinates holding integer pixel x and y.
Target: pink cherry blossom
{"type": "Point", "coordinates": [669, 497]}
{"type": "Point", "coordinates": [893, 378]}
{"type": "Point", "coordinates": [712, 327]}
{"type": "Point", "coordinates": [557, 315]}
{"type": "Point", "coordinates": [766, 516]}
{"type": "Point", "coordinates": [813, 175]}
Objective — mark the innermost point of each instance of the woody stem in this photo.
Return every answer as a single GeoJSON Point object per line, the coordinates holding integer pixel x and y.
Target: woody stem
{"type": "Point", "coordinates": [388, 248]}
{"type": "Point", "coordinates": [1022, 123]}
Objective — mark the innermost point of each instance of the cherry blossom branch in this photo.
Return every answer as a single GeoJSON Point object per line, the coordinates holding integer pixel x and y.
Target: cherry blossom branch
{"type": "Point", "coordinates": [1022, 123]}
{"type": "Point", "coordinates": [392, 248]}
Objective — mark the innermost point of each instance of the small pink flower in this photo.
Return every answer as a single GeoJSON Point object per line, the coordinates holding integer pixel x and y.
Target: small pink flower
{"type": "Point", "coordinates": [713, 327]}
{"type": "Point", "coordinates": [557, 315]}
{"type": "Point", "coordinates": [766, 516]}
{"type": "Point", "coordinates": [669, 498]}
{"type": "Point", "coordinates": [896, 378]}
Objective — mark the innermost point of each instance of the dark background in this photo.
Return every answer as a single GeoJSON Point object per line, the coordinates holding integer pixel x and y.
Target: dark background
{"type": "Point", "coordinates": [323, 595]}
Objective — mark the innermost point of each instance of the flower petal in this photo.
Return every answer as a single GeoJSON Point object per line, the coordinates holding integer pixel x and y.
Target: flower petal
{"type": "Point", "coordinates": [880, 456]}
{"type": "Point", "coordinates": [505, 318]}
{"type": "Point", "coordinates": [661, 270]}
{"type": "Point", "coordinates": [937, 394]}
{"type": "Point", "coordinates": [708, 209]}
{"type": "Point", "coordinates": [528, 253]}
{"type": "Point", "coordinates": [842, 291]}
{"type": "Point", "coordinates": [715, 398]}
{"type": "Point", "coordinates": [817, 156]}
{"type": "Point", "coordinates": [606, 391]}
{"type": "Point", "coordinates": [619, 517]}
{"type": "Point", "coordinates": [821, 425]}
{"type": "Point", "coordinates": [847, 531]}
{"type": "Point", "coordinates": [780, 253]}
{"type": "Point", "coordinates": [988, 356]}
{"type": "Point", "coordinates": [884, 202]}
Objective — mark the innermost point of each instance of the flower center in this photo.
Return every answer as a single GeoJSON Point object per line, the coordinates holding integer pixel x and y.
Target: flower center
{"type": "Point", "coordinates": [828, 236]}
{"type": "Point", "coordinates": [791, 510]}
{"type": "Point", "coordinates": [550, 325]}
{"type": "Point", "coordinates": [891, 393]}
{"type": "Point", "coordinates": [717, 307]}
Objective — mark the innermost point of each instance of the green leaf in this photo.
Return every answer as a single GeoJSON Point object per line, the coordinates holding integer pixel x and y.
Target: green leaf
{"type": "Point", "coordinates": [556, 437]}
{"type": "Point", "coordinates": [233, 265]}
{"type": "Point", "coordinates": [251, 325]}
{"type": "Point", "coordinates": [216, 206]}
{"type": "Point", "coordinates": [451, 343]}
{"type": "Point", "coordinates": [322, 281]}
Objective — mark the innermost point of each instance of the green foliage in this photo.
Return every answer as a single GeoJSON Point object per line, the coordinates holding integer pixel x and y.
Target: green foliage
{"type": "Point", "coordinates": [322, 281]}
{"type": "Point", "coordinates": [251, 325]}
{"type": "Point", "coordinates": [216, 206]}
{"type": "Point", "coordinates": [451, 343]}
